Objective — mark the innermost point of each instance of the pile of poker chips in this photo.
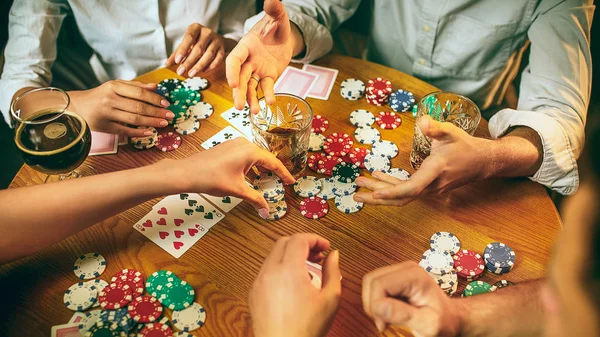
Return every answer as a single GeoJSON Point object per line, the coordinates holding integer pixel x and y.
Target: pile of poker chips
{"type": "Point", "coordinates": [378, 91]}
{"type": "Point", "coordinates": [402, 100]}
{"type": "Point", "coordinates": [145, 142]}
{"type": "Point", "coordinates": [437, 261]}
{"type": "Point", "coordinates": [271, 187]}
{"type": "Point", "coordinates": [352, 89]}
{"type": "Point", "coordinates": [499, 258]}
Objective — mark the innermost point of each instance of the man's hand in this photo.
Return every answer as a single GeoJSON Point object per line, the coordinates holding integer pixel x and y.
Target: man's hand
{"type": "Point", "coordinates": [404, 294]}
{"type": "Point", "coordinates": [113, 105]}
{"type": "Point", "coordinates": [201, 50]}
{"type": "Point", "coordinates": [456, 159]}
{"type": "Point", "coordinates": [262, 53]}
{"type": "Point", "coordinates": [283, 301]}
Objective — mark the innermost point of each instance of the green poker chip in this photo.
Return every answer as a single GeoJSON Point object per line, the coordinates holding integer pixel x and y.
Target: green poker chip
{"type": "Point", "coordinates": [185, 96]}
{"type": "Point", "coordinates": [156, 283]}
{"type": "Point", "coordinates": [477, 287]}
{"type": "Point", "coordinates": [177, 295]}
{"type": "Point", "coordinates": [345, 172]}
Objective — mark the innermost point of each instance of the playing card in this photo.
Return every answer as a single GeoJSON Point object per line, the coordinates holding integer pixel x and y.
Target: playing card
{"type": "Point", "coordinates": [316, 274]}
{"type": "Point", "coordinates": [123, 140]}
{"type": "Point", "coordinates": [239, 119]}
{"type": "Point", "coordinates": [295, 81]}
{"type": "Point", "coordinates": [322, 87]}
{"type": "Point", "coordinates": [104, 143]}
{"type": "Point", "coordinates": [77, 317]}
{"type": "Point", "coordinates": [224, 135]}
{"type": "Point", "coordinates": [225, 204]}
{"type": "Point", "coordinates": [65, 330]}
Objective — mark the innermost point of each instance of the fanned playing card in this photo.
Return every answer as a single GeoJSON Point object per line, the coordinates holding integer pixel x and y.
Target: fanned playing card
{"type": "Point", "coordinates": [222, 136]}
{"type": "Point", "coordinates": [239, 119]}
{"type": "Point", "coordinates": [225, 204]}
{"type": "Point", "coordinates": [322, 87]}
{"type": "Point", "coordinates": [104, 143]}
{"type": "Point", "coordinates": [65, 330]}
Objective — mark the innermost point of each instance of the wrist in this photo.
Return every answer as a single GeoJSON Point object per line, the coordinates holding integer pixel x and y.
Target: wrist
{"type": "Point", "coordinates": [162, 179]}
{"type": "Point", "coordinates": [299, 47]}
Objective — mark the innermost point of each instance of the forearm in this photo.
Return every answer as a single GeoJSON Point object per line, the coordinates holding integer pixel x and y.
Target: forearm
{"type": "Point", "coordinates": [511, 311]}
{"type": "Point", "coordinates": [299, 44]}
{"type": "Point", "coordinates": [517, 154]}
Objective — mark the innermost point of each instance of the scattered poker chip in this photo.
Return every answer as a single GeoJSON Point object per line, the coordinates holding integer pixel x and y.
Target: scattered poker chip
{"type": "Point", "coordinates": [468, 264]}
{"type": "Point", "coordinates": [168, 141]}
{"type": "Point", "coordinates": [156, 330]}
{"type": "Point", "coordinates": [499, 255]}
{"type": "Point", "coordinates": [105, 329]}
{"type": "Point", "coordinates": [307, 186]}
{"type": "Point", "coordinates": [338, 144]}
{"type": "Point", "coordinates": [437, 261]}
{"type": "Point", "coordinates": [188, 126]}
{"type": "Point", "coordinates": [177, 295]}
{"type": "Point", "coordinates": [357, 156]}
{"type": "Point", "coordinates": [352, 89]}
{"type": "Point", "coordinates": [347, 204]}
{"type": "Point", "coordinates": [145, 309]}
{"type": "Point", "coordinates": [327, 163]}
{"type": "Point", "coordinates": [80, 296]}
{"type": "Point", "coordinates": [190, 318]}
{"type": "Point", "coordinates": [313, 161]}
{"type": "Point", "coordinates": [270, 185]}
{"type": "Point", "coordinates": [503, 284]}
{"type": "Point", "coordinates": [342, 188]}
{"type": "Point", "coordinates": [327, 189]}
{"type": "Point", "coordinates": [132, 278]}
{"type": "Point", "coordinates": [157, 280]}
{"type": "Point", "coordinates": [88, 321]}
{"type": "Point", "coordinates": [401, 100]}
{"type": "Point", "coordinates": [319, 124]}
{"type": "Point", "coordinates": [316, 142]}
{"type": "Point", "coordinates": [90, 265]}
{"type": "Point", "coordinates": [476, 288]}
{"type": "Point", "coordinates": [366, 135]}
{"type": "Point", "coordinates": [445, 241]}
{"type": "Point", "coordinates": [277, 210]}
{"type": "Point", "coordinates": [345, 172]}
{"type": "Point", "coordinates": [99, 284]}
{"type": "Point", "coordinates": [201, 110]}
{"type": "Point", "coordinates": [114, 296]}
{"type": "Point", "coordinates": [398, 173]}
{"type": "Point", "coordinates": [196, 83]}
{"type": "Point", "coordinates": [388, 120]}
{"type": "Point", "coordinates": [170, 84]}
{"type": "Point", "coordinates": [385, 148]}
{"type": "Point", "coordinates": [375, 162]}
{"type": "Point", "coordinates": [314, 207]}
{"type": "Point", "coordinates": [362, 117]}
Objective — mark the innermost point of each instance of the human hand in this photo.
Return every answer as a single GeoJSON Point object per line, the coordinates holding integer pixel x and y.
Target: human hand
{"type": "Point", "coordinates": [114, 105]}
{"type": "Point", "coordinates": [201, 50]}
{"type": "Point", "coordinates": [283, 301]}
{"type": "Point", "coordinates": [404, 294]}
{"type": "Point", "coordinates": [263, 53]}
{"type": "Point", "coordinates": [456, 159]}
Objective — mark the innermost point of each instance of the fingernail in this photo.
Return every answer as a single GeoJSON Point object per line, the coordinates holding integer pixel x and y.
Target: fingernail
{"type": "Point", "coordinates": [147, 133]}
{"type": "Point", "coordinates": [192, 72]}
{"type": "Point", "coordinates": [164, 103]}
{"type": "Point", "coordinates": [180, 70]}
{"type": "Point", "coordinates": [178, 58]}
{"type": "Point", "coordinates": [359, 183]}
{"type": "Point", "coordinates": [358, 198]}
{"type": "Point", "coordinates": [163, 123]}
{"type": "Point", "coordinates": [169, 115]}
{"type": "Point", "coordinates": [380, 325]}
{"type": "Point", "coordinates": [383, 310]}
{"type": "Point", "coordinates": [263, 212]}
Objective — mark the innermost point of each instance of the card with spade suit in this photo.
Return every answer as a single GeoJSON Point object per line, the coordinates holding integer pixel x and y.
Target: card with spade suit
{"type": "Point", "coordinates": [224, 135]}
{"type": "Point", "coordinates": [225, 204]}
{"type": "Point", "coordinates": [239, 119]}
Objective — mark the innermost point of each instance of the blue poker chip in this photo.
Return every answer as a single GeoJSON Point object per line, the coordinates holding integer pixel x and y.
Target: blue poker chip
{"type": "Point", "coordinates": [499, 255]}
{"type": "Point", "coordinates": [170, 84]}
{"type": "Point", "coordinates": [401, 100]}
{"type": "Point", "coordinates": [163, 91]}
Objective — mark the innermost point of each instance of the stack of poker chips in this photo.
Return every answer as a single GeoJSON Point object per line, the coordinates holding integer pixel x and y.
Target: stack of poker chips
{"type": "Point", "coordinates": [478, 287]}
{"type": "Point", "coordinates": [378, 91]}
{"type": "Point", "coordinates": [438, 261]}
{"type": "Point", "coordinates": [271, 187]}
{"type": "Point", "coordinates": [352, 89]}
{"type": "Point", "coordinates": [499, 258]}
{"type": "Point", "coordinates": [145, 142]}
{"type": "Point", "coordinates": [469, 264]}
{"type": "Point", "coordinates": [402, 100]}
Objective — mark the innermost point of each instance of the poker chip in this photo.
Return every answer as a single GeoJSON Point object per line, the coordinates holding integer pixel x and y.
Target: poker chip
{"type": "Point", "coordinates": [327, 186]}
{"type": "Point", "coordinates": [468, 264]}
{"type": "Point", "coordinates": [327, 163]}
{"type": "Point", "coordinates": [503, 284]}
{"type": "Point", "coordinates": [195, 83]}
{"type": "Point", "coordinates": [337, 144]}
{"type": "Point", "coordinates": [347, 204]}
{"type": "Point", "coordinates": [88, 266]}
{"type": "Point", "coordinates": [188, 126]}
{"type": "Point", "coordinates": [362, 117]}
{"type": "Point", "coordinates": [415, 109]}
{"type": "Point", "coordinates": [157, 280]}
{"type": "Point", "coordinates": [307, 186]}
{"type": "Point", "coordinates": [182, 96]}
{"type": "Point", "coordinates": [401, 100]}
{"type": "Point", "coordinates": [156, 330]}
{"type": "Point", "coordinates": [499, 256]}
{"type": "Point", "coordinates": [314, 207]}
{"type": "Point", "coordinates": [190, 318]}
{"type": "Point", "coordinates": [319, 124]}
{"type": "Point", "coordinates": [177, 295]}
{"type": "Point", "coordinates": [398, 173]}
{"type": "Point", "coordinates": [367, 135]}
{"type": "Point", "coordinates": [342, 188]}
{"type": "Point", "coordinates": [345, 172]}
{"type": "Point", "coordinates": [99, 284]}
{"type": "Point", "coordinates": [145, 309]}
{"type": "Point", "coordinates": [201, 110]}
{"type": "Point", "coordinates": [80, 296]}
{"type": "Point", "coordinates": [132, 278]}
{"type": "Point", "coordinates": [170, 84]}
{"type": "Point", "coordinates": [145, 142]}
{"type": "Point", "coordinates": [357, 156]}
{"type": "Point", "coordinates": [114, 296]}
{"type": "Point", "coordinates": [276, 198]}
{"type": "Point", "coordinates": [163, 91]}
{"type": "Point", "coordinates": [378, 91]}
{"type": "Point", "coordinates": [316, 142]}
{"type": "Point", "coordinates": [313, 161]}
{"type": "Point", "coordinates": [88, 321]}
{"type": "Point", "coordinates": [385, 148]}
{"type": "Point", "coordinates": [375, 162]}
{"type": "Point", "coordinates": [445, 241]}
{"type": "Point", "coordinates": [168, 141]}
{"type": "Point", "coordinates": [105, 329]}
{"type": "Point", "coordinates": [388, 120]}
{"type": "Point", "coordinates": [352, 89]}
{"type": "Point", "coordinates": [437, 261]}
{"type": "Point", "coordinates": [476, 288]}
{"type": "Point", "coordinates": [277, 210]}
{"type": "Point", "coordinates": [119, 316]}
{"type": "Point", "coordinates": [270, 185]}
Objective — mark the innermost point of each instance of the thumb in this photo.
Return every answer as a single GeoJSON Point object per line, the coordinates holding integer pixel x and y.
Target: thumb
{"type": "Point", "coordinates": [257, 200]}
{"type": "Point", "coordinates": [274, 8]}
{"type": "Point", "coordinates": [434, 129]}
{"type": "Point", "coordinates": [393, 311]}
{"type": "Point", "coordinates": [332, 285]}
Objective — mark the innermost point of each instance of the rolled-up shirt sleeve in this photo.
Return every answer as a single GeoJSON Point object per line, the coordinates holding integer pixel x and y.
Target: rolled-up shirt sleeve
{"type": "Point", "coordinates": [33, 27]}
{"type": "Point", "coordinates": [555, 92]}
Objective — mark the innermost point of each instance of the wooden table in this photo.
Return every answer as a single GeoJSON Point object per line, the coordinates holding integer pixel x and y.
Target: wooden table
{"type": "Point", "coordinates": [223, 264]}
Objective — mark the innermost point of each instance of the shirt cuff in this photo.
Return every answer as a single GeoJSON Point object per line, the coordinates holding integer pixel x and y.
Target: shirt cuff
{"type": "Point", "coordinates": [558, 170]}
{"type": "Point", "coordinates": [8, 89]}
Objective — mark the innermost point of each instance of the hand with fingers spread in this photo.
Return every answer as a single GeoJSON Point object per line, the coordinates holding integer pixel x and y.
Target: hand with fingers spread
{"type": "Point", "coordinates": [405, 295]}
{"type": "Point", "coordinates": [114, 105]}
{"type": "Point", "coordinates": [201, 50]}
{"type": "Point", "coordinates": [456, 159]}
{"type": "Point", "coordinates": [283, 301]}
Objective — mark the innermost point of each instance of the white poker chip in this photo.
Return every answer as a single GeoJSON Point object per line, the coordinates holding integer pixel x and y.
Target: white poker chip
{"type": "Point", "coordinates": [316, 142]}
{"type": "Point", "coordinates": [362, 117]}
{"type": "Point", "coordinates": [80, 296]}
{"type": "Point", "coordinates": [90, 265]}
{"type": "Point", "coordinates": [445, 241]}
{"type": "Point", "coordinates": [100, 285]}
{"type": "Point", "coordinates": [385, 148]}
{"type": "Point", "coordinates": [398, 173]}
{"type": "Point", "coordinates": [346, 204]}
{"type": "Point", "coordinates": [188, 126]}
{"type": "Point", "coordinates": [367, 135]}
{"type": "Point", "coordinates": [341, 188]}
{"type": "Point", "coordinates": [307, 186]}
{"type": "Point", "coordinates": [327, 187]}
{"type": "Point", "coordinates": [89, 321]}
{"type": "Point", "coordinates": [190, 318]}
{"type": "Point", "coordinates": [352, 89]}
{"type": "Point", "coordinates": [437, 261]}
{"type": "Point", "coordinates": [269, 184]}
{"type": "Point", "coordinates": [375, 162]}
{"type": "Point", "coordinates": [196, 83]}
{"type": "Point", "coordinates": [277, 210]}
{"type": "Point", "coordinates": [201, 110]}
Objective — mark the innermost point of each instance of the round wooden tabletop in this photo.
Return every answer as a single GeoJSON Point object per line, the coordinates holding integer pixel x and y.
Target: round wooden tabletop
{"type": "Point", "coordinates": [223, 264]}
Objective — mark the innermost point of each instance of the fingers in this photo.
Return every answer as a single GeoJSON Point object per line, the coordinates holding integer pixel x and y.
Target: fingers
{"type": "Point", "coordinates": [200, 55]}
{"type": "Point", "coordinates": [121, 129]}
{"type": "Point", "coordinates": [127, 117]}
{"type": "Point", "coordinates": [240, 92]}
{"type": "Point", "coordinates": [251, 96]}
{"type": "Point", "coordinates": [191, 35]}
{"type": "Point", "coordinates": [435, 129]}
{"type": "Point", "coordinates": [276, 255]}
{"type": "Point", "coordinates": [369, 198]}
{"type": "Point", "coordinates": [431, 168]}
{"type": "Point", "coordinates": [255, 199]}
{"type": "Point", "coordinates": [274, 9]}
{"type": "Point", "coordinates": [300, 246]}
{"type": "Point", "coordinates": [233, 64]}
{"type": "Point", "coordinates": [208, 56]}
{"type": "Point", "coordinates": [385, 178]}
{"type": "Point", "coordinates": [217, 60]}
{"type": "Point", "coordinates": [372, 184]}
{"type": "Point", "coordinates": [266, 85]}
{"type": "Point", "coordinates": [332, 284]}
{"type": "Point", "coordinates": [392, 311]}
{"type": "Point", "coordinates": [139, 93]}
{"type": "Point", "coordinates": [142, 109]}
{"type": "Point", "coordinates": [267, 160]}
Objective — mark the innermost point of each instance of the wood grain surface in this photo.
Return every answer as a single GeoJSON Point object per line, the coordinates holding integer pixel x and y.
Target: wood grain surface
{"type": "Point", "coordinates": [223, 264]}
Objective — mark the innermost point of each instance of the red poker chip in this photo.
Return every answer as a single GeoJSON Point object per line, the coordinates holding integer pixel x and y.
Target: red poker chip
{"type": "Point", "coordinates": [468, 264]}
{"type": "Point", "coordinates": [388, 120]}
{"type": "Point", "coordinates": [327, 163]}
{"type": "Point", "coordinates": [314, 207]}
{"type": "Point", "coordinates": [145, 309]}
{"type": "Point", "coordinates": [319, 124]}
{"type": "Point", "coordinates": [313, 161]}
{"type": "Point", "coordinates": [338, 145]}
{"type": "Point", "coordinates": [357, 156]}
{"type": "Point", "coordinates": [168, 141]}
{"type": "Point", "coordinates": [132, 278]}
{"type": "Point", "coordinates": [156, 330]}
{"type": "Point", "coordinates": [347, 159]}
{"type": "Point", "coordinates": [114, 296]}
{"type": "Point", "coordinates": [379, 85]}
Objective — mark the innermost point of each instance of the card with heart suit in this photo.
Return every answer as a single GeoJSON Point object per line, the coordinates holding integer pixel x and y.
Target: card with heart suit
{"type": "Point", "coordinates": [322, 87]}
{"type": "Point", "coordinates": [225, 204]}
{"type": "Point", "coordinates": [239, 119]}
{"type": "Point", "coordinates": [77, 317]}
{"type": "Point", "coordinates": [65, 330]}
{"type": "Point", "coordinates": [224, 135]}
{"type": "Point", "coordinates": [104, 143]}
{"type": "Point", "coordinates": [295, 81]}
